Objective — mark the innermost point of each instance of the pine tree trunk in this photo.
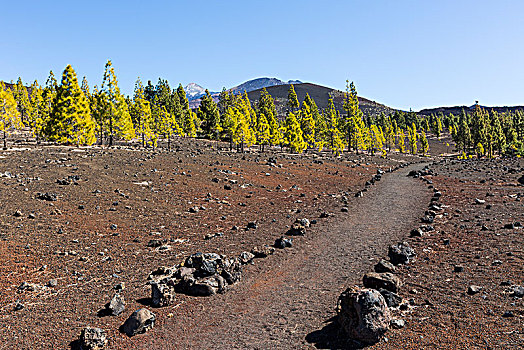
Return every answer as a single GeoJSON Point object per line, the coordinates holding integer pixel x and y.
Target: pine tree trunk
{"type": "Point", "coordinates": [169, 142]}
{"type": "Point", "coordinates": [5, 140]}
{"type": "Point", "coordinates": [111, 132]}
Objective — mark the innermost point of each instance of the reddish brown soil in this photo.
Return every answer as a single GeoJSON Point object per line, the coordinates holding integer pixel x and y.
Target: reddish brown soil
{"type": "Point", "coordinates": [444, 316]}
{"type": "Point", "coordinates": [87, 257]}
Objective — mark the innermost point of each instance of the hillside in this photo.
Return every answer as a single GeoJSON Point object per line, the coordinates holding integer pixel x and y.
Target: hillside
{"type": "Point", "coordinates": [456, 110]}
{"type": "Point", "coordinates": [321, 96]}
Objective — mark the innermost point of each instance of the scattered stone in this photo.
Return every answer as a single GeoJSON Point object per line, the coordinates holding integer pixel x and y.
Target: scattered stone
{"type": "Point", "coordinates": [252, 225]}
{"type": "Point", "coordinates": [416, 232]}
{"type": "Point", "coordinates": [17, 214]}
{"type": "Point", "coordinates": [116, 306]}
{"type": "Point", "coordinates": [283, 242]}
{"type": "Point", "coordinates": [393, 300]}
{"type": "Point", "coordinates": [194, 210]}
{"type": "Point", "coordinates": [51, 197]}
{"type": "Point", "coordinates": [120, 286]}
{"type": "Point", "coordinates": [458, 268]}
{"type": "Point", "coordinates": [384, 266]}
{"type": "Point", "coordinates": [363, 314]}
{"type": "Point", "coordinates": [384, 280]}
{"type": "Point", "coordinates": [19, 306]}
{"type": "Point", "coordinates": [52, 283]}
{"type": "Point", "coordinates": [508, 314]}
{"type": "Point", "coordinates": [480, 201]}
{"type": "Point", "coordinates": [262, 252]}
{"type": "Point", "coordinates": [162, 294]}
{"type": "Point", "coordinates": [297, 229]}
{"type": "Point", "coordinates": [474, 289]}
{"type": "Point", "coordinates": [154, 243]}
{"type": "Point", "coordinates": [400, 253]}
{"type": "Point", "coordinates": [93, 339]}
{"type": "Point", "coordinates": [517, 291]}
{"type": "Point", "coordinates": [344, 209]}
{"type": "Point", "coordinates": [397, 323]}
{"type": "Point", "coordinates": [139, 322]}
{"type": "Point", "coordinates": [246, 258]}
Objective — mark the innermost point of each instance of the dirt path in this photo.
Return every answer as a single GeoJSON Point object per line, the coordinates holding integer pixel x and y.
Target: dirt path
{"type": "Point", "coordinates": [287, 300]}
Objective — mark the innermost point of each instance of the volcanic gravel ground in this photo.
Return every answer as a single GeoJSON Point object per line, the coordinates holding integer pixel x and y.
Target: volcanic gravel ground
{"type": "Point", "coordinates": [469, 234]}
{"type": "Point", "coordinates": [287, 301]}
{"type": "Point", "coordinates": [111, 203]}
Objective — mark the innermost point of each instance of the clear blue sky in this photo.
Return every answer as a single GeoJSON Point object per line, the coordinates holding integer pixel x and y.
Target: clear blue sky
{"type": "Point", "coordinates": [406, 54]}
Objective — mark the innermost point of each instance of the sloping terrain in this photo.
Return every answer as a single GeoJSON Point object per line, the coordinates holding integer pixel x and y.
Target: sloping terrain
{"type": "Point", "coordinates": [321, 96]}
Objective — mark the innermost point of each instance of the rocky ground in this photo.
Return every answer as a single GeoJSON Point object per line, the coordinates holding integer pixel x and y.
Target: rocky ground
{"type": "Point", "coordinates": [75, 223]}
{"type": "Point", "coordinates": [465, 286]}
{"type": "Point", "coordinates": [82, 227]}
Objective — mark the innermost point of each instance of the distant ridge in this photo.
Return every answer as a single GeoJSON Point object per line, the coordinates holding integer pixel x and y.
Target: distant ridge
{"type": "Point", "coordinates": [196, 91]}
{"type": "Point", "coordinates": [320, 94]}
{"type": "Point", "coordinates": [457, 110]}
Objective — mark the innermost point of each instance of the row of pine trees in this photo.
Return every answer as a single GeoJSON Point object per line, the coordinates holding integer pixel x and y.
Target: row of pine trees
{"type": "Point", "coordinates": [72, 113]}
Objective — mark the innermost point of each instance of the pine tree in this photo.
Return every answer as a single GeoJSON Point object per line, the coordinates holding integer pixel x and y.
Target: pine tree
{"type": "Point", "coordinates": [354, 127]}
{"type": "Point", "coordinates": [463, 135]}
{"type": "Point", "coordinates": [424, 142]}
{"type": "Point", "coordinates": [9, 115]}
{"type": "Point", "coordinates": [499, 135]}
{"type": "Point", "coordinates": [22, 99]}
{"type": "Point", "coordinates": [228, 124]}
{"type": "Point", "coordinates": [333, 135]}
{"type": "Point", "coordinates": [307, 123]}
{"type": "Point", "coordinates": [118, 119]}
{"type": "Point", "coordinates": [293, 137]}
{"type": "Point", "coordinates": [209, 116]}
{"type": "Point", "coordinates": [292, 99]}
{"type": "Point", "coordinates": [169, 126]}
{"type": "Point", "coordinates": [70, 120]}
{"type": "Point", "coordinates": [141, 114]}
{"type": "Point", "coordinates": [479, 126]}
{"type": "Point", "coordinates": [263, 131]}
{"type": "Point", "coordinates": [401, 141]}
{"type": "Point", "coordinates": [243, 135]}
{"type": "Point", "coordinates": [266, 106]}
{"type": "Point", "coordinates": [412, 137]}
{"type": "Point", "coordinates": [36, 115]}
{"type": "Point", "coordinates": [187, 120]}
{"type": "Point", "coordinates": [376, 138]}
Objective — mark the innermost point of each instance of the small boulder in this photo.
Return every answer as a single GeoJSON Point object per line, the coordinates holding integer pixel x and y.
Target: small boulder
{"type": "Point", "coordinates": [246, 258]}
{"type": "Point", "coordinates": [385, 280]}
{"type": "Point", "coordinates": [283, 242]}
{"type": "Point", "coordinates": [416, 232]}
{"type": "Point", "coordinates": [262, 252]}
{"type": "Point", "coordinates": [400, 253]}
{"type": "Point", "coordinates": [392, 299]}
{"type": "Point", "coordinates": [517, 291]}
{"type": "Point", "coordinates": [139, 322]}
{"type": "Point", "coordinates": [474, 289]}
{"type": "Point", "coordinates": [162, 294]}
{"type": "Point", "coordinates": [384, 266]}
{"type": "Point", "coordinates": [93, 339]}
{"type": "Point", "coordinates": [363, 314]}
{"type": "Point", "coordinates": [117, 305]}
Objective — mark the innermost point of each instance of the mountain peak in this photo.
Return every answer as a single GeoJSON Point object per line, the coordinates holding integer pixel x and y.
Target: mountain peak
{"type": "Point", "coordinates": [194, 91]}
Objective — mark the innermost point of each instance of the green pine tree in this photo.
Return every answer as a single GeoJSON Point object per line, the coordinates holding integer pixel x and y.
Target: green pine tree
{"type": "Point", "coordinates": [70, 120]}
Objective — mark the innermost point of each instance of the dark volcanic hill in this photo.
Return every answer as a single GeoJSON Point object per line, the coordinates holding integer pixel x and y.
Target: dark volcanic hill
{"type": "Point", "coordinates": [457, 110]}
{"type": "Point", "coordinates": [320, 94]}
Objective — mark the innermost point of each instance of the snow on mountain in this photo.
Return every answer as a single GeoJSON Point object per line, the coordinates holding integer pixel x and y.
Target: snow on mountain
{"type": "Point", "coordinates": [194, 91]}
{"type": "Point", "coordinates": [260, 83]}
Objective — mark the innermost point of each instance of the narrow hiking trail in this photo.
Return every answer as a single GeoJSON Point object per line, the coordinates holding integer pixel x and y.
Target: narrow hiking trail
{"type": "Point", "coordinates": [286, 301]}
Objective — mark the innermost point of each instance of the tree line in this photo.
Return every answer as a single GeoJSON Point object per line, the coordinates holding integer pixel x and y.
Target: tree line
{"type": "Point", "coordinates": [70, 112]}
